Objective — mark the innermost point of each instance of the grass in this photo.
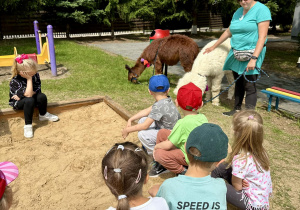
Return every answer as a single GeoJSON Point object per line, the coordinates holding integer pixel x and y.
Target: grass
{"type": "Point", "coordinates": [93, 72]}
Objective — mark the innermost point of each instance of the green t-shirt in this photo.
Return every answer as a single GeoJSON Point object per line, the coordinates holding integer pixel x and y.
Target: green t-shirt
{"type": "Point", "coordinates": [182, 130]}
{"type": "Point", "coordinates": [244, 30]}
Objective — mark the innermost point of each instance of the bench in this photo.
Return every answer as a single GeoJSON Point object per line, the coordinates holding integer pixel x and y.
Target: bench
{"type": "Point", "coordinates": [280, 93]}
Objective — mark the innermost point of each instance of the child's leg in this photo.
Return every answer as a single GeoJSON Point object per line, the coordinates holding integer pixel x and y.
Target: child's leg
{"type": "Point", "coordinates": [233, 196]}
{"type": "Point", "coordinates": [148, 137]}
{"type": "Point", "coordinates": [173, 160]}
{"type": "Point", "coordinates": [41, 101]}
{"type": "Point", "coordinates": [27, 104]}
{"type": "Point", "coordinates": [162, 135]}
{"type": "Point", "coordinates": [236, 198]}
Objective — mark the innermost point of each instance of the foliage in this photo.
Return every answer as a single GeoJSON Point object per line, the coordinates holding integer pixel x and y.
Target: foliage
{"type": "Point", "coordinates": [80, 11]}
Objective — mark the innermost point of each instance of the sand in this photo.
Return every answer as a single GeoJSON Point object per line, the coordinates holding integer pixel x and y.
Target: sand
{"type": "Point", "coordinates": [60, 167]}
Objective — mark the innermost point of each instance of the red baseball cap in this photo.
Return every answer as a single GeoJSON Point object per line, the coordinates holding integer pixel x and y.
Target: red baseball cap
{"type": "Point", "coordinates": [189, 97]}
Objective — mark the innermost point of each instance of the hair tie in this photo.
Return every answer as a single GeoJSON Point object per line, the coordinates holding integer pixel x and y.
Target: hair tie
{"type": "Point", "coordinates": [120, 147]}
{"type": "Point", "coordinates": [117, 170]}
{"type": "Point", "coordinates": [138, 150]}
{"type": "Point", "coordinates": [139, 176]}
{"type": "Point", "coordinates": [121, 197]}
{"type": "Point", "coordinates": [251, 117]}
{"type": "Point", "coordinates": [20, 58]}
{"type": "Point", "coordinates": [105, 172]}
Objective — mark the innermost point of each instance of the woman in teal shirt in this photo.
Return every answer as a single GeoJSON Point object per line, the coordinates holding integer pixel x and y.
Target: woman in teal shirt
{"type": "Point", "coordinates": [248, 30]}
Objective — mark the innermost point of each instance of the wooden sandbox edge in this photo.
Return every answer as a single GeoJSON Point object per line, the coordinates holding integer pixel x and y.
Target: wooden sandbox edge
{"type": "Point", "coordinates": [59, 107]}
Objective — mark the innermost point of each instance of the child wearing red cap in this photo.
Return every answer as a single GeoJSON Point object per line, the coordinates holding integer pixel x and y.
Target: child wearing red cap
{"type": "Point", "coordinates": [169, 151]}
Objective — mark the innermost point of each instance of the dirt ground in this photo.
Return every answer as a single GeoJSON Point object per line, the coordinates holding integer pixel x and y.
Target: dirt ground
{"type": "Point", "coordinates": [60, 167]}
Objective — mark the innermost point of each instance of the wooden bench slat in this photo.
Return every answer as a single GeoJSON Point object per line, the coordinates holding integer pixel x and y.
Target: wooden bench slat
{"type": "Point", "coordinates": [287, 91]}
{"type": "Point", "coordinates": [283, 93]}
{"type": "Point", "coordinates": [270, 95]}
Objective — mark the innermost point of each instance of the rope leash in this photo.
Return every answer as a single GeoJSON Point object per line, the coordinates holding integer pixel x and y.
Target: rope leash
{"type": "Point", "coordinates": [244, 74]}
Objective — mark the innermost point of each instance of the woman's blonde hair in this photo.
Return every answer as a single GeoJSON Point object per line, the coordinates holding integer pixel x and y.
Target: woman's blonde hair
{"type": "Point", "coordinates": [124, 169]}
{"type": "Point", "coordinates": [26, 65]}
{"type": "Point", "coordinates": [6, 200]}
{"type": "Point", "coordinates": [248, 138]}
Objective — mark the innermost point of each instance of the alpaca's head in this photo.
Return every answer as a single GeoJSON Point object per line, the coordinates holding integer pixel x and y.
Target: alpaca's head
{"type": "Point", "coordinates": [132, 74]}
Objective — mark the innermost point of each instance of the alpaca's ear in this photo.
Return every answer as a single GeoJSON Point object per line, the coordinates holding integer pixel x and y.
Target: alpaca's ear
{"type": "Point", "coordinates": [127, 67]}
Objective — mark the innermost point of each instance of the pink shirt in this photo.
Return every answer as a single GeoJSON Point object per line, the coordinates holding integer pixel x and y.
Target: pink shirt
{"type": "Point", "coordinates": [260, 184]}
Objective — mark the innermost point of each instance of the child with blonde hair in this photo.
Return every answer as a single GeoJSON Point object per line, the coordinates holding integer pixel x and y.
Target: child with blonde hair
{"type": "Point", "coordinates": [25, 92]}
{"type": "Point", "coordinates": [8, 173]}
{"type": "Point", "coordinates": [247, 169]}
{"type": "Point", "coordinates": [124, 169]}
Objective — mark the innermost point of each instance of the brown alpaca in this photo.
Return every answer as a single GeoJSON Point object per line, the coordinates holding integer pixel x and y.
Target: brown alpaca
{"type": "Point", "coordinates": [170, 50]}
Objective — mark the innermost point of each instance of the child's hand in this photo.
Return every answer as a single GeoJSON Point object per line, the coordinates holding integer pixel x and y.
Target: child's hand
{"type": "Point", "coordinates": [245, 184]}
{"type": "Point", "coordinates": [15, 97]}
{"type": "Point", "coordinates": [124, 133]}
{"type": "Point", "coordinates": [26, 75]}
{"type": "Point", "coordinates": [153, 190]}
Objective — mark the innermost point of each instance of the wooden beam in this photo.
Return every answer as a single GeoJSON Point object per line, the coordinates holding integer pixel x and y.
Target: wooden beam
{"type": "Point", "coordinates": [59, 107]}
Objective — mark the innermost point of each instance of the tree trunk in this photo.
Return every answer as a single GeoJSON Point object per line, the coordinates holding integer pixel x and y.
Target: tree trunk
{"type": "Point", "coordinates": [194, 26]}
{"type": "Point", "coordinates": [68, 31]}
{"type": "Point", "coordinates": [113, 30]}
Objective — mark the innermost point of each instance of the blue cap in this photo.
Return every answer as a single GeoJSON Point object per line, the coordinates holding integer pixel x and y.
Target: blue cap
{"type": "Point", "coordinates": [159, 83]}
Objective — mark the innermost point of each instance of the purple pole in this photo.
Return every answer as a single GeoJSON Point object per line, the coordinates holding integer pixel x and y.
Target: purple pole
{"type": "Point", "coordinates": [36, 33]}
{"type": "Point", "coordinates": [51, 49]}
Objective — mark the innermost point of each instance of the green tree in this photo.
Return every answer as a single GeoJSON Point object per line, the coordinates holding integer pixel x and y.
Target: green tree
{"type": "Point", "coordinates": [73, 11]}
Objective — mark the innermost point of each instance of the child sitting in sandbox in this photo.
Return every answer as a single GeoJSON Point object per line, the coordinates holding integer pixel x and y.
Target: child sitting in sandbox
{"type": "Point", "coordinates": [162, 114]}
{"type": "Point", "coordinates": [169, 151]}
{"type": "Point", "coordinates": [124, 169]}
{"type": "Point", "coordinates": [25, 92]}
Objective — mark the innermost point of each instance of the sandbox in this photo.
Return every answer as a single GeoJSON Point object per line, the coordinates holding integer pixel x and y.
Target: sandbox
{"type": "Point", "coordinates": [60, 167]}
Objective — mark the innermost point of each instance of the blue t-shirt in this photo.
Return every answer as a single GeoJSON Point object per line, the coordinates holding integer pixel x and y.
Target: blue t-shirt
{"type": "Point", "coordinates": [244, 30]}
{"type": "Point", "coordinates": [185, 192]}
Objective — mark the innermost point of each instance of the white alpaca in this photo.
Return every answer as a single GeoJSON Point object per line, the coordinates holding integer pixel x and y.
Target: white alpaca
{"type": "Point", "coordinates": [208, 70]}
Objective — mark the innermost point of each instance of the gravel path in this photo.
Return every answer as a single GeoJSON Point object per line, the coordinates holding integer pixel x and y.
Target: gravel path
{"type": "Point", "coordinates": [132, 50]}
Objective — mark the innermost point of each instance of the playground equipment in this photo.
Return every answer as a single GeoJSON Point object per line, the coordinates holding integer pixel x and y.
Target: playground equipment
{"type": "Point", "coordinates": [280, 93]}
{"type": "Point", "coordinates": [46, 53]}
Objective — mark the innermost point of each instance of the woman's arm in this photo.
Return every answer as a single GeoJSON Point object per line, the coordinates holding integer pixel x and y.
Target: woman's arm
{"type": "Point", "coordinates": [226, 34]}
{"type": "Point", "coordinates": [237, 183]}
{"type": "Point", "coordinates": [262, 36]}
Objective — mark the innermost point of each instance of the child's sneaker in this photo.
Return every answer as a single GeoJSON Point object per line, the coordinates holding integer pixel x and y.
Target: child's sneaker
{"type": "Point", "coordinates": [157, 169]}
{"type": "Point", "coordinates": [28, 133]}
{"type": "Point", "coordinates": [48, 116]}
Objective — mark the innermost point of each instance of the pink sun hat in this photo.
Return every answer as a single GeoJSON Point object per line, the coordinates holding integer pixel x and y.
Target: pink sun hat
{"type": "Point", "coordinates": [10, 171]}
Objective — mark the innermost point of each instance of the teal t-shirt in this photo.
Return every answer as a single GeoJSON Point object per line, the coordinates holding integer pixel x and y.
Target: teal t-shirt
{"type": "Point", "coordinates": [184, 192]}
{"type": "Point", "coordinates": [244, 30]}
{"type": "Point", "coordinates": [182, 130]}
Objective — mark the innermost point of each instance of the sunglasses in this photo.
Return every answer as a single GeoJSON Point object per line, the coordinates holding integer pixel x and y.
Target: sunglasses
{"type": "Point", "coordinates": [241, 0]}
